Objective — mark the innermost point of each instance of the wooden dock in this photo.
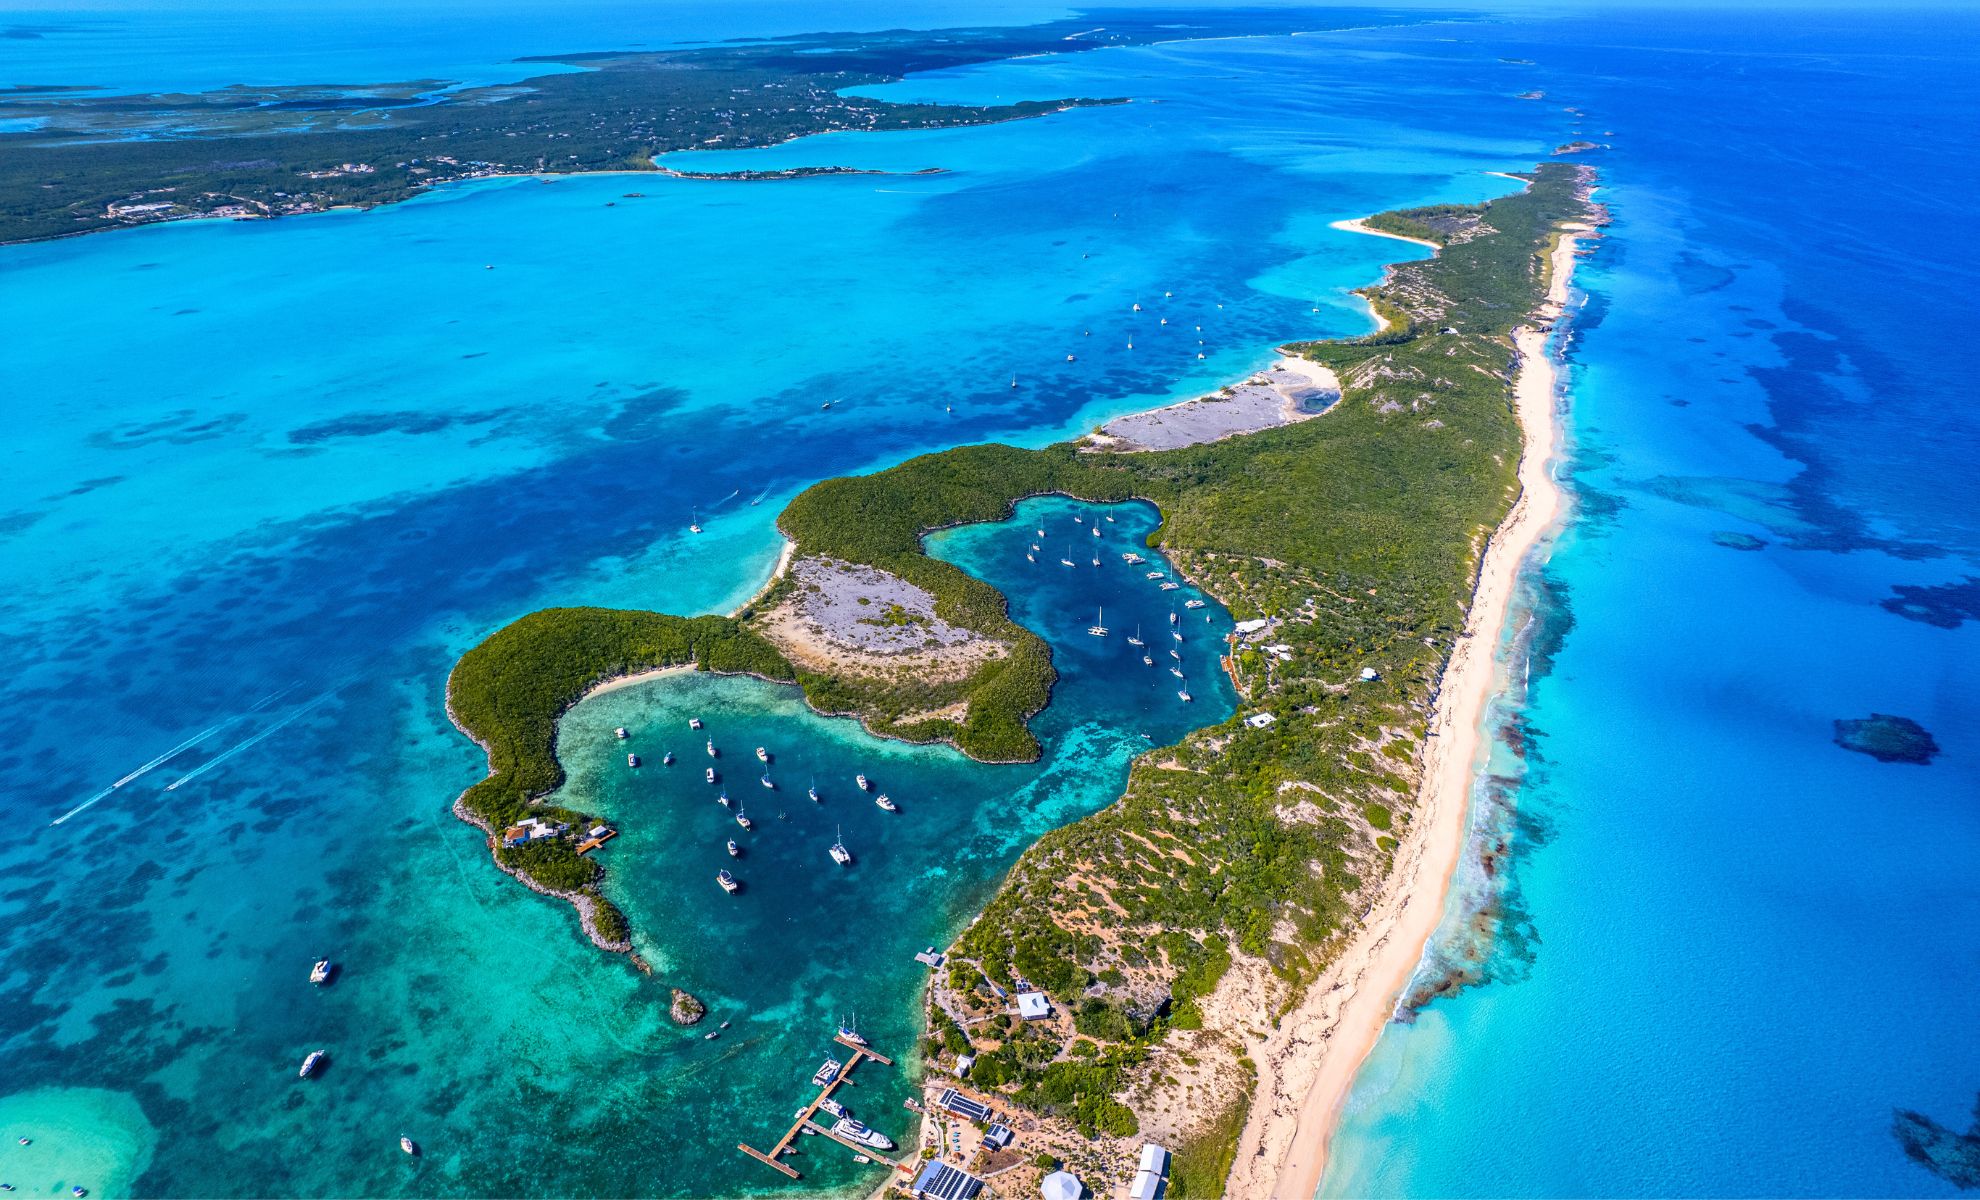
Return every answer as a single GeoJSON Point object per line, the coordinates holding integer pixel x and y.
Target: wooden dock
{"type": "Point", "coordinates": [774, 1157]}
{"type": "Point", "coordinates": [590, 844]}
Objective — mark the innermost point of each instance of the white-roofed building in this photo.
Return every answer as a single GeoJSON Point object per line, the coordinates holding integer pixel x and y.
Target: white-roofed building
{"type": "Point", "coordinates": [1033, 1005]}
{"type": "Point", "coordinates": [1062, 1185]}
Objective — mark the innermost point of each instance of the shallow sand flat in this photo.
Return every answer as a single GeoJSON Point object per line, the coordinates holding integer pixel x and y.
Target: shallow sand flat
{"type": "Point", "coordinates": [1292, 389]}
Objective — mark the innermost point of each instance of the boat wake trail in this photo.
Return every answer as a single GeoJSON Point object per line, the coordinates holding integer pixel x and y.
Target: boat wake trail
{"type": "Point", "coordinates": [175, 751]}
{"type": "Point", "coordinates": [249, 743]}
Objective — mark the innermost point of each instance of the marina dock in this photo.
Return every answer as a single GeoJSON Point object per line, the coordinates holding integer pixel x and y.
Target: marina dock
{"type": "Point", "coordinates": [774, 1157]}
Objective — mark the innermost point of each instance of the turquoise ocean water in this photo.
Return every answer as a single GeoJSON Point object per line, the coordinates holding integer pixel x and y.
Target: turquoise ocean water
{"type": "Point", "coordinates": [265, 481]}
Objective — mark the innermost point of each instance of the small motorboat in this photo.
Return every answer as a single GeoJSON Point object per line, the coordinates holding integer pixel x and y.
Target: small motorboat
{"type": "Point", "coordinates": [709, 775]}
{"type": "Point", "coordinates": [711, 1035]}
{"type": "Point", "coordinates": [885, 804]}
{"type": "Point", "coordinates": [620, 733]}
{"type": "Point", "coordinates": [727, 881]}
{"type": "Point", "coordinates": [320, 973]}
{"type": "Point", "coordinates": [861, 781]}
{"type": "Point", "coordinates": [712, 752]}
{"type": "Point", "coordinates": [632, 760]}
{"type": "Point", "coordinates": [735, 851]}
{"type": "Point", "coordinates": [1147, 661]}
{"type": "Point", "coordinates": [409, 1146]}
{"type": "Point", "coordinates": [858, 1158]}
{"type": "Point", "coordinates": [762, 755]}
{"type": "Point", "coordinates": [667, 759]}
{"type": "Point", "coordinates": [310, 1064]}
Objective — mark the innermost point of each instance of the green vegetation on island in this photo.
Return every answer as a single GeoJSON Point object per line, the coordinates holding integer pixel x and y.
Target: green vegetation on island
{"type": "Point", "coordinates": [1347, 545]}
{"type": "Point", "coordinates": [75, 160]}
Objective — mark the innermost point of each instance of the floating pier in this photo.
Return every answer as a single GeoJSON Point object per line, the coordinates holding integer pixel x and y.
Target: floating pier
{"type": "Point", "coordinates": [774, 1157]}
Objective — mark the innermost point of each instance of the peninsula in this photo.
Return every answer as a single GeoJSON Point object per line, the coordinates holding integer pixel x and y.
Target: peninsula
{"type": "Point", "coordinates": [1219, 946]}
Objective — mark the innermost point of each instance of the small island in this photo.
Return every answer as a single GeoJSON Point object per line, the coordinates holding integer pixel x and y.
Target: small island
{"type": "Point", "coordinates": [685, 1008]}
{"type": "Point", "coordinates": [1887, 738]}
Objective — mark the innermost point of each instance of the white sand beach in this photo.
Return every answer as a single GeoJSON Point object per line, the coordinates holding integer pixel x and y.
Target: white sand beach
{"type": "Point", "coordinates": [1308, 1064]}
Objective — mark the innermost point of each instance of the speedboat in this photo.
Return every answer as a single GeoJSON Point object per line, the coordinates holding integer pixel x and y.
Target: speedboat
{"type": "Point", "coordinates": [320, 973]}
{"type": "Point", "coordinates": [853, 1131]}
{"type": "Point", "coordinates": [727, 881]}
{"type": "Point", "coordinates": [620, 733]}
{"type": "Point", "coordinates": [840, 854]}
{"type": "Point", "coordinates": [735, 851]}
{"type": "Point", "coordinates": [762, 755]}
{"type": "Point", "coordinates": [632, 760]}
{"type": "Point", "coordinates": [861, 781]}
{"type": "Point", "coordinates": [408, 1145]}
{"type": "Point", "coordinates": [827, 1073]}
{"type": "Point", "coordinates": [310, 1064]}
{"type": "Point", "coordinates": [885, 804]}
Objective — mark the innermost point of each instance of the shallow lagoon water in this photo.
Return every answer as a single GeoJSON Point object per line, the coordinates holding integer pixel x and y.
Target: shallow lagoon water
{"type": "Point", "coordinates": [275, 477]}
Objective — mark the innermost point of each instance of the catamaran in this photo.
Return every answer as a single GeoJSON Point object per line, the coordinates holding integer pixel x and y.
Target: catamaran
{"type": "Point", "coordinates": [1136, 639]}
{"type": "Point", "coordinates": [1154, 575]}
{"type": "Point", "coordinates": [632, 760]}
{"type": "Point", "coordinates": [727, 881]}
{"type": "Point", "coordinates": [840, 854]}
{"type": "Point", "coordinates": [320, 973]}
{"type": "Point", "coordinates": [620, 733]}
{"type": "Point", "coordinates": [827, 1073]}
{"type": "Point", "coordinates": [1170, 586]}
{"type": "Point", "coordinates": [1192, 604]}
{"type": "Point", "coordinates": [1099, 626]}
{"type": "Point", "coordinates": [694, 722]}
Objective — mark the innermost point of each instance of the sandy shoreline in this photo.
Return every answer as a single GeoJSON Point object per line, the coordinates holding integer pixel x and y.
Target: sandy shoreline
{"type": "Point", "coordinates": [1308, 1064]}
{"type": "Point", "coordinates": [1360, 225]}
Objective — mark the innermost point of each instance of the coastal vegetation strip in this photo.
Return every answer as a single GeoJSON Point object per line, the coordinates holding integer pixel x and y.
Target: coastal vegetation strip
{"type": "Point", "coordinates": [75, 160]}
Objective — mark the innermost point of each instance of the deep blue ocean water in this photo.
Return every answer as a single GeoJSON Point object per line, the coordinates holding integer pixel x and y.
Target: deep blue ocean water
{"type": "Point", "coordinates": [265, 481]}
{"type": "Point", "coordinates": [1735, 948]}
